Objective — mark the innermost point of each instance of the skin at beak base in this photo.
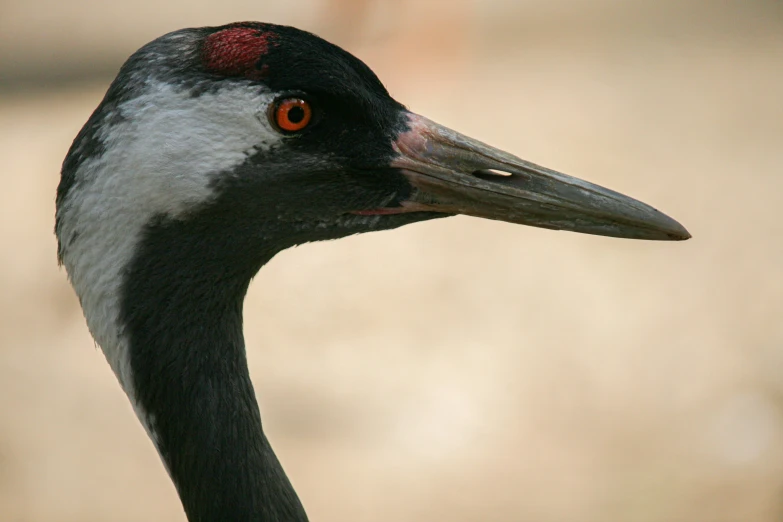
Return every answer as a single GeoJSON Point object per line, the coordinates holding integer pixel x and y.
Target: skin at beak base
{"type": "Point", "coordinates": [449, 173]}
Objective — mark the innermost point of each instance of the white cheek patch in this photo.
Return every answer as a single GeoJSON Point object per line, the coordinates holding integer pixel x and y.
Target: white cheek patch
{"type": "Point", "coordinates": [162, 151]}
{"type": "Point", "coordinates": [178, 142]}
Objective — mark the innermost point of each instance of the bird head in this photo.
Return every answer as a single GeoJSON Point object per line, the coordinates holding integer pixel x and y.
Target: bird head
{"type": "Point", "coordinates": [255, 133]}
{"type": "Point", "coordinates": [215, 148]}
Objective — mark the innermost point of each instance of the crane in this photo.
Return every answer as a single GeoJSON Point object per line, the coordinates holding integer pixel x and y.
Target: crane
{"type": "Point", "coordinates": [215, 148]}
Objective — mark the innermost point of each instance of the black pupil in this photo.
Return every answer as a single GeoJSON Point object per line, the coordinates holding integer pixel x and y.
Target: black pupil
{"type": "Point", "coordinates": [296, 114]}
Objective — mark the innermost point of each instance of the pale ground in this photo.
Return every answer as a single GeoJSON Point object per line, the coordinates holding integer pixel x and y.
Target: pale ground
{"type": "Point", "coordinates": [461, 369]}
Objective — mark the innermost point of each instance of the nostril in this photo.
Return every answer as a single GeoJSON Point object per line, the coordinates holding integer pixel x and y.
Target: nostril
{"type": "Point", "coordinates": [487, 173]}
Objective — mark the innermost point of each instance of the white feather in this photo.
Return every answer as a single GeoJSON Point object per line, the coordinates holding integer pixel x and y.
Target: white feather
{"type": "Point", "coordinates": [160, 157]}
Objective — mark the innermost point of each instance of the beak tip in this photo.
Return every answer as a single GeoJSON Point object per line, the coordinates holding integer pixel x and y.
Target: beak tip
{"type": "Point", "coordinates": [674, 230]}
{"type": "Point", "coordinates": [685, 235]}
{"type": "Point", "coordinates": [660, 227]}
{"type": "Point", "coordinates": [682, 235]}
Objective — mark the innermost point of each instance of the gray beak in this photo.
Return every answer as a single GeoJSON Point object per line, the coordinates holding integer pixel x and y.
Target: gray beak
{"type": "Point", "coordinates": [455, 174]}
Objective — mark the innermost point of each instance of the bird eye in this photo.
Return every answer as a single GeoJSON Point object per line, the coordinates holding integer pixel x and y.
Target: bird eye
{"type": "Point", "coordinates": [292, 114]}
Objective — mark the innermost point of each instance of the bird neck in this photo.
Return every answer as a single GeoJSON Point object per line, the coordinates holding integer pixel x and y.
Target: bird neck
{"type": "Point", "coordinates": [182, 312]}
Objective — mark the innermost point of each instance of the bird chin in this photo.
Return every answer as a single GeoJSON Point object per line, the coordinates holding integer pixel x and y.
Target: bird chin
{"type": "Point", "coordinates": [371, 221]}
{"type": "Point", "coordinates": [406, 207]}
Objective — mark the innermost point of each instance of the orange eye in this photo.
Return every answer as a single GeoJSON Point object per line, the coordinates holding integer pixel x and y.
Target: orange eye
{"type": "Point", "coordinates": [293, 114]}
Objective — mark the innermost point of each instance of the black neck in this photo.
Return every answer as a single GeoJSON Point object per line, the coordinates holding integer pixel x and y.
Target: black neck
{"type": "Point", "coordinates": [182, 308]}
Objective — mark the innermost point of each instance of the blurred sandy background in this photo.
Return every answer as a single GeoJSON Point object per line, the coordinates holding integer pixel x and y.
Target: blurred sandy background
{"type": "Point", "coordinates": [461, 369]}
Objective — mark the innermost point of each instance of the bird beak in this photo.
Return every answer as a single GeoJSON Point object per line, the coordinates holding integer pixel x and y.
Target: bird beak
{"type": "Point", "coordinates": [455, 174]}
